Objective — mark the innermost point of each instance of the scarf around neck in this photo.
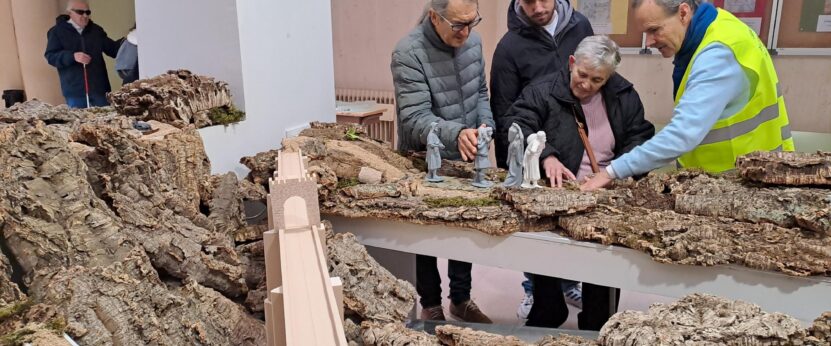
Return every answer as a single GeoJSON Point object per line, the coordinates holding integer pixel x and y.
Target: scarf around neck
{"type": "Point", "coordinates": [701, 20]}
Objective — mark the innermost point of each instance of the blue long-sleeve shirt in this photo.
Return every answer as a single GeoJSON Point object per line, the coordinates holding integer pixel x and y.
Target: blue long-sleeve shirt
{"type": "Point", "coordinates": [717, 88]}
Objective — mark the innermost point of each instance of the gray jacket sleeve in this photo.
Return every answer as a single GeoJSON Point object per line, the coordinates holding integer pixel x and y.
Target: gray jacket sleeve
{"type": "Point", "coordinates": [415, 114]}
{"type": "Point", "coordinates": [484, 106]}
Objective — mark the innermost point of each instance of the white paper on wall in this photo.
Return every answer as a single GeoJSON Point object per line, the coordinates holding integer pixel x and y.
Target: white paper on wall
{"type": "Point", "coordinates": [599, 13]}
{"type": "Point", "coordinates": [740, 6]}
{"type": "Point", "coordinates": [824, 23]}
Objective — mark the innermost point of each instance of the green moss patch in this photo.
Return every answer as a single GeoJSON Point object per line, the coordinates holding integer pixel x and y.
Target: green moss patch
{"type": "Point", "coordinates": [347, 182]}
{"type": "Point", "coordinates": [226, 115]}
{"type": "Point", "coordinates": [460, 202]}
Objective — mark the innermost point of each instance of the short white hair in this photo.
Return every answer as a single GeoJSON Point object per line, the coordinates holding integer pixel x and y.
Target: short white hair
{"type": "Point", "coordinates": [72, 2]}
{"type": "Point", "coordinates": [599, 51]}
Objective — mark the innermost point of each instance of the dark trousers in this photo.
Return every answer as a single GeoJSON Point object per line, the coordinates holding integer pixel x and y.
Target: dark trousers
{"type": "Point", "coordinates": [428, 281]}
{"type": "Point", "coordinates": [550, 309]}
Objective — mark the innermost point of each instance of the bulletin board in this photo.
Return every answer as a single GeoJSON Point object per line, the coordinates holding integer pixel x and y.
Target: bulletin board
{"type": "Point", "coordinates": [611, 18]}
{"type": "Point", "coordinates": [757, 14]}
{"type": "Point", "coordinates": [804, 24]}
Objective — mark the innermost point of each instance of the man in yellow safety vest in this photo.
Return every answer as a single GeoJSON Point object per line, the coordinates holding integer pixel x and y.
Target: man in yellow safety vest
{"type": "Point", "coordinates": [728, 101]}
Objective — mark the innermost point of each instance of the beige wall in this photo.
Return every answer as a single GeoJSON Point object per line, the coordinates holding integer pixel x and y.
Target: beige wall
{"type": "Point", "coordinates": [10, 77]}
{"type": "Point", "coordinates": [40, 80]}
{"type": "Point", "coordinates": [116, 17]}
{"type": "Point", "coordinates": [365, 33]}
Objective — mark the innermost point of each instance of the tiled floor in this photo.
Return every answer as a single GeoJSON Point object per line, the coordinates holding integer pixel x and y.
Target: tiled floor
{"type": "Point", "coordinates": [498, 293]}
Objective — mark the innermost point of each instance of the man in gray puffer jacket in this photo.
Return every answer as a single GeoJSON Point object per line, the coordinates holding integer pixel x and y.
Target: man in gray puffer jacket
{"type": "Point", "coordinates": [439, 76]}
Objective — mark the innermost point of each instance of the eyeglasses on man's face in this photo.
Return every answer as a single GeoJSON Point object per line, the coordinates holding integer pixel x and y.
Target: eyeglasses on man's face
{"type": "Point", "coordinates": [81, 12]}
{"type": "Point", "coordinates": [456, 27]}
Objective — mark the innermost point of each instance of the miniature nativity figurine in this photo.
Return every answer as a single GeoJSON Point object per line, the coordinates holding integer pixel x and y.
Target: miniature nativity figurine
{"type": "Point", "coordinates": [536, 143]}
{"type": "Point", "coordinates": [481, 162]}
{"type": "Point", "coordinates": [516, 151]}
{"type": "Point", "coordinates": [434, 147]}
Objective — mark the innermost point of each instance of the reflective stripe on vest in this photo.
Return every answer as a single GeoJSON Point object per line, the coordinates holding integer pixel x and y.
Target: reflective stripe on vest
{"type": "Point", "coordinates": [762, 124]}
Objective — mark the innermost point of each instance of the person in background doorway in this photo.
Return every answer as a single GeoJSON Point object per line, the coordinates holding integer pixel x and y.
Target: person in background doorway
{"type": "Point", "coordinates": [75, 46]}
{"type": "Point", "coordinates": [126, 62]}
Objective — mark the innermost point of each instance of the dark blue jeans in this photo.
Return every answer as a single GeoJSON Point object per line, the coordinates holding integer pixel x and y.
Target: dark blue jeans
{"type": "Point", "coordinates": [428, 281]}
{"type": "Point", "coordinates": [95, 100]}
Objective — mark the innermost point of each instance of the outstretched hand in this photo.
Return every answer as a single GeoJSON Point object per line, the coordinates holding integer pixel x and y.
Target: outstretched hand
{"type": "Point", "coordinates": [556, 172]}
{"type": "Point", "coordinates": [600, 180]}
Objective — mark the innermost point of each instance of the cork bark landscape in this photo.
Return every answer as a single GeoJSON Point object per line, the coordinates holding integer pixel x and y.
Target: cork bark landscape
{"type": "Point", "coordinates": [684, 217]}
{"type": "Point", "coordinates": [114, 236]}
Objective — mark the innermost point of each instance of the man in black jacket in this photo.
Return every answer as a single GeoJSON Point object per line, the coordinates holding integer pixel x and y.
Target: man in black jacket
{"type": "Point", "coordinates": [607, 106]}
{"type": "Point", "coordinates": [541, 35]}
{"type": "Point", "coordinates": [75, 46]}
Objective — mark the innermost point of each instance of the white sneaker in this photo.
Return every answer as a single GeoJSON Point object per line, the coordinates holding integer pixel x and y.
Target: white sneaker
{"type": "Point", "coordinates": [525, 307]}
{"type": "Point", "coordinates": [574, 296]}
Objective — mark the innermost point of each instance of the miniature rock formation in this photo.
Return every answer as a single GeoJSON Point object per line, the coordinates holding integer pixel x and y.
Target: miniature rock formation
{"type": "Point", "coordinates": [178, 97]}
{"type": "Point", "coordinates": [369, 290]}
{"type": "Point", "coordinates": [458, 336]}
{"type": "Point", "coordinates": [554, 202]}
{"type": "Point", "coordinates": [702, 320]}
{"type": "Point", "coordinates": [690, 192]}
{"type": "Point", "coordinates": [127, 303]}
{"type": "Point", "coordinates": [89, 208]}
{"type": "Point", "coordinates": [820, 332]}
{"type": "Point", "coordinates": [391, 334]}
{"type": "Point", "coordinates": [670, 237]}
{"type": "Point", "coordinates": [566, 340]}
{"type": "Point", "coordinates": [34, 324]}
{"type": "Point", "coordinates": [787, 168]}
{"type": "Point", "coordinates": [9, 291]}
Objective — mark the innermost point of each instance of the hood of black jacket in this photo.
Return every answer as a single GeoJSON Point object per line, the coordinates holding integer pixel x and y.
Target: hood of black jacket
{"type": "Point", "coordinates": [62, 21]}
{"type": "Point", "coordinates": [519, 23]}
{"type": "Point", "coordinates": [561, 90]}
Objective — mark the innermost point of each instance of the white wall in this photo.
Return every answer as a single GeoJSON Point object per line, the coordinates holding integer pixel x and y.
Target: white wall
{"type": "Point", "coordinates": [198, 35]}
{"type": "Point", "coordinates": [288, 67]}
{"type": "Point", "coordinates": [277, 61]}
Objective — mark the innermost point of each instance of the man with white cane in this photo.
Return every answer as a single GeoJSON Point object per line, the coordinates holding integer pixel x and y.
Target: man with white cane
{"type": "Point", "coordinates": [75, 47]}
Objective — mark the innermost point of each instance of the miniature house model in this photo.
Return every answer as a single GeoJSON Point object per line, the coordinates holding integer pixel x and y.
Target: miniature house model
{"type": "Point", "coordinates": [304, 305]}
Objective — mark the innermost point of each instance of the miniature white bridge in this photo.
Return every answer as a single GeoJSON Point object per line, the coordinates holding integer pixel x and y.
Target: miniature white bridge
{"type": "Point", "coordinates": [304, 305]}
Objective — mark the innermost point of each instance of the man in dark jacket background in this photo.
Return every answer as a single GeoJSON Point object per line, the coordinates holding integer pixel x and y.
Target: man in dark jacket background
{"type": "Point", "coordinates": [75, 46]}
{"type": "Point", "coordinates": [541, 36]}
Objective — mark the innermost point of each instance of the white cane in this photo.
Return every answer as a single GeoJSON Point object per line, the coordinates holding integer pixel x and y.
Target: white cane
{"type": "Point", "coordinates": [86, 84]}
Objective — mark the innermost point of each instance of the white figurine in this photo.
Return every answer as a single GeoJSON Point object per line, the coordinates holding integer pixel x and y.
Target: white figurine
{"type": "Point", "coordinates": [531, 175]}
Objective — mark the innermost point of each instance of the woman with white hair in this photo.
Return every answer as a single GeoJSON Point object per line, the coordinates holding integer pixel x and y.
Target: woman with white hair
{"type": "Point", "coordinates": [590, 115]}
